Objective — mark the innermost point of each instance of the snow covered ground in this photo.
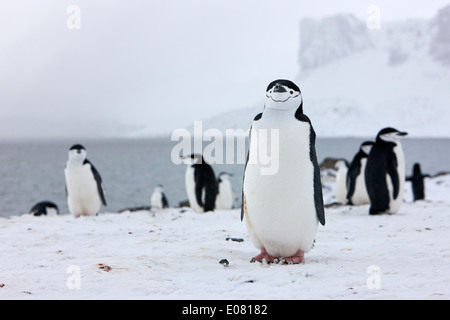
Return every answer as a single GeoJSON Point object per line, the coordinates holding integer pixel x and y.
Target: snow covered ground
{"type": "Point", "coordinates": [176, 255]}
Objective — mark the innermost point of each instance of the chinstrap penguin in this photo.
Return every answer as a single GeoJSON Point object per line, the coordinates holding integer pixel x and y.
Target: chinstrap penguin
{"type": "Point", "coordinates": [356, 181]}
{"type": "Point", "coordinates": [44, 208]}
{"type": "Point", "coordinates": [385, 172]}
{"type": "Point", "coordinates": [225, 197]}
{"type": "Point", "coordinates": [84, 187]}
{"type": "Point", "coordinates": [201, 183]}
{"type": "Point", "coordinates": [417, 183]}
{"type": "Point", "coordinates": [158, 198]}
{"type": "Point", "coordinates": [282, 208]}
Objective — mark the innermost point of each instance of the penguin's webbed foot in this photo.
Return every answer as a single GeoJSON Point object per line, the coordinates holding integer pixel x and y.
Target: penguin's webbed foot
{"type": "Point", "coordinates": [298, 258]}
{"type": "Point", "coordinates": [263, 256]}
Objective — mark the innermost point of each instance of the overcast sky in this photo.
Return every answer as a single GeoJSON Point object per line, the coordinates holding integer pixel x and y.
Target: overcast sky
{"type": "Point", "coordinates": [155, 64]}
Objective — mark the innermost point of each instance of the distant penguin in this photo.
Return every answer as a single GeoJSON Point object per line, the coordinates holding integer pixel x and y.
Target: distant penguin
{"type": "Point", "coordinates": [282, 200]}
{"type": "Point", "coordinates": [356, 181]}
{"type": "Point", "coordinates": [84, 187]}
{"type": "Point", "coordinates": [224, 200]}
{"type": "Point", "coordinates": [418, 185]}
{"type": "Point", "coordinates": [44, 208]}
{"type": "Point", "coordinates": [158, 199]}
{"type": "Point", "coordinates": [201, 184]}
{"type": "Point", "coordinates": [385, 172]}
{"type": "Point", "coordinates": [341, 167]}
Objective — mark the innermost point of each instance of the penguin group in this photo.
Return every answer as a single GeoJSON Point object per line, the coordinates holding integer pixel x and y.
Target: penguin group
{"type": "Point", "coordinates": [376, 175]}
{"type": "Point", "coordinates": [282, 209]}
{"type": "Point", "coordinates": [85, 191]}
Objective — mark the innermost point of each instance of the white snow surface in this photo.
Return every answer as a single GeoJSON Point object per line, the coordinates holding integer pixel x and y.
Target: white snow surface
{"type": "Point", "coordinates": [173, 254]}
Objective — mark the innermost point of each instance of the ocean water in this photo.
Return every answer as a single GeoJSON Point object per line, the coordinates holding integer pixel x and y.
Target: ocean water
{"type": "Point", "coordinates": [33, 171]}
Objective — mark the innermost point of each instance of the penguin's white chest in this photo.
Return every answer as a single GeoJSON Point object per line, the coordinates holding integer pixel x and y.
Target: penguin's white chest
{"type": "Point", "coordinates": [51, 211]}
{"type": "Point", "coordinates": [156, 199]}
{"type": "Point", "coordinates": [224, 200]}
{"type": "Point", "coordinates": [279, 204]}
{"type": "Point", "coordinates": [190, 189]}
{"type": "Point", "coordinates": [83, 197]}
{"type": "Point", "coordinates": [360, 195]}
{"type": "Point", "coordinates": [341, 184]}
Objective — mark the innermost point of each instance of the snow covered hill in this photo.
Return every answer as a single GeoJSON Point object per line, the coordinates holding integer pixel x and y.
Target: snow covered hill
{"type": "Point", "coordinates": [356, 80]}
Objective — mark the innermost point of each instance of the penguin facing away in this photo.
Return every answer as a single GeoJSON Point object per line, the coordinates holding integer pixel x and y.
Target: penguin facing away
{"type": "Point", "coordinates": [385, 172]}
{"type": "Point", "coordinates": [44, 208]}
{"type": "Point", "coordinates": [224, 200]}
{"type": "Point", "coordinates": [282, 210]}
{"type": "Point", "coordinates": [201, 183]}
{"type": "Point", "coordinates": [84, 187]}
{"type": "Point", "coordinates": [158, 198]}
{"type": "Point", "coordinates": [341, 167]}
{"type": "Point", "coordinates": [356, 182]}
{"type": "Point", "coordinates": [417, 183]}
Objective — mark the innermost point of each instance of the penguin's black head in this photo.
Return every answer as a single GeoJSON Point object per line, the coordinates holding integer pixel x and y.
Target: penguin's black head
{"type": "Point", "coordinates": [390, 135]}
{"type": "Point", "coordinates": [78, 148]}
{"type": "Point", "coordinates": [366, 147]}
{"type": "Point", "coordinates": [283, 94]}
{"type": "Point", "coordinates": [77, 151]}
{"type": "Point", "coordinates": [193, 159]}
{"type": "Point", "coordinates": [417, 169]}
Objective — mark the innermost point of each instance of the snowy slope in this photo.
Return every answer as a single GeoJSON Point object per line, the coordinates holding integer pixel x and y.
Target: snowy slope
{"type": "Point", "coordinates": [175, 255]}
{"type": "Point", "coordinates": [356, 80]}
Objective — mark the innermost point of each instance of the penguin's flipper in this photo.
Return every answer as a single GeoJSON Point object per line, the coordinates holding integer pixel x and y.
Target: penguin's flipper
{"type": "Point", "coordinates": [199, 184]}
{"type": "Point", "coordinates": [393, 173]}
{"type": "Point", "coordinates": [165, 203]}
{"type": "Point", "coordinates": [257, 117]}
{"type": "Point", "coordinates": [352, 174]}
{"type": "Point", "coordinates": [210, 199]}
{"type": "Point", "coordinates": [98, 179]}
{"type": "Point", "coordinates": [318, 195]}
{"type": "Point", "coordinates": [242, 195]}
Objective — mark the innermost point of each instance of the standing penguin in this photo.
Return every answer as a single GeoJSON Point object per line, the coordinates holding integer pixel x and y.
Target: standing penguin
{"type": "Point", "coordinates": [418, 186]}
{"type": "Point", "coordinates": [341, 167]}
{"type": "Point", "coordinates": [224, 200]}
{"type": "Point", "coordinates": [158, 199]}
{"type": "Point", "coordinates": [356, 181]}
{"type": "Point", "coordinates": [385, 172]}
{"type": "Point", "coordinates": [282, 207]}
{"type": "Point", "coordinates": [84, 187]}
{"type": "Point", "coordinates": [201, 184]}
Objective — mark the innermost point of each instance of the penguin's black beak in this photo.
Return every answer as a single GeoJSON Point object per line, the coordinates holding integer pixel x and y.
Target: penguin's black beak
{"type": "Point", "coordinates": [402, 134]}
{"type": "Point", "coordinates": [278, 88]}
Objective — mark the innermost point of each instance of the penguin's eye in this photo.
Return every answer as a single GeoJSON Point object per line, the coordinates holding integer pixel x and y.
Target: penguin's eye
{"type": "Point", "coordinates": [292, 92]}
